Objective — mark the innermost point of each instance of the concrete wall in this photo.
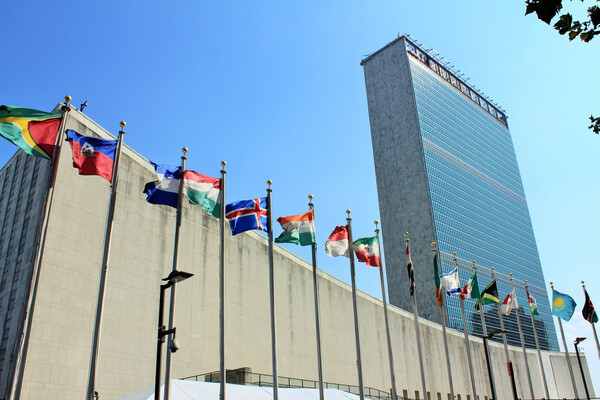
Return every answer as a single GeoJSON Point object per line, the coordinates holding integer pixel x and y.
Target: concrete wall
{"type": "Point", "coordinates": [59, 348]}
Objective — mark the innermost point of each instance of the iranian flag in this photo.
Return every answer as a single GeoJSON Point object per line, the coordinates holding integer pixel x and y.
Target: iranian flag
{"type": "Point", "coordinates": [203, 190]}
{"type": "Point", "coordinates": [298, 229]}
{"type": "Point", "coordinates": [367, 251]}
{"type": "Point", "coordinates": [337, 245]}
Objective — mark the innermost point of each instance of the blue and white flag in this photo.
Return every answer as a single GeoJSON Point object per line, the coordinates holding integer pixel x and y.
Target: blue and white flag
{"type": "Point", "coordinates": [451, 282]}
{"type": "Point", "coordinates": [166, 189]}
{"type": "Point", "coordinates": [246, 215]}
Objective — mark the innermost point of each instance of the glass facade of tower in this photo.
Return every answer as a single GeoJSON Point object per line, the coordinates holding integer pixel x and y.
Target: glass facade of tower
{"type": "Point", "coordinates": [478, 202]}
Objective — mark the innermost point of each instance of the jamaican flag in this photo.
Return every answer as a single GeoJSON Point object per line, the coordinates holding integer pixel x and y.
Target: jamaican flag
{"type": "Point", "coordinates": [32, 130]}
{"type": "Point", "coordinates": [488, 295]}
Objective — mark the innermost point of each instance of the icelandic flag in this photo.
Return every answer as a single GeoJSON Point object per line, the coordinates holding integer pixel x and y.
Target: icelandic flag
{"type": "Point", "coordinates": [92, 155]}
{"type": "Point", "coordinates": [166, 189]}
{"type": "Point", "coordinates": [246, 215]}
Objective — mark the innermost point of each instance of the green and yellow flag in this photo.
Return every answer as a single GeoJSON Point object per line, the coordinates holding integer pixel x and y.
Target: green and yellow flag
{"type": "Point", "coordinates": [488, 295]}
{"type": "Point", "coordinates": [32, 130]}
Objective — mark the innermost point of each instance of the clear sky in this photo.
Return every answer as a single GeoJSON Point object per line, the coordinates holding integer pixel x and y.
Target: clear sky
{"type": "Point", "coordinates": [275, 88]}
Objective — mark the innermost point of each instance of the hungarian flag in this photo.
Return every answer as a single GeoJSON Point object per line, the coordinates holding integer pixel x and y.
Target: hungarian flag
{"type": "Point", "coordinates": [471, 289]}
{"type": "Point", "coordinates": [410, 270]}
{"type": "Point", "coordinates": [367, 251]}
{"type": "Point", "coordinates": [589, 313]}
{"type": "Point", "coordinates": [203, 190]}
{"type": "Point", "coordinates": [532, 304]}
{"type": "Point", "coordinates": [337, 245]}
{"type": "Point", "coordinates": [489, 295]}
{"type": "Point", "coordinates": [33, 131]}
{"type": "Point", "coordinates": [92, 155]}
{"type": "Point", "coordinates": [298, 229]}
{"type": "Point", "coordinates": [436, 277]}
{"type": "Point", "coordinates": [509, 303]}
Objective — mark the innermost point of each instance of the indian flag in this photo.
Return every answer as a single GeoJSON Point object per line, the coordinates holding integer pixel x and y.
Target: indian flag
{"type": "Point", "coordinates": [203, 190]}
{"type": "Point", "coordinates": [33, 131]}
{"type": "Point", "coordinates": [367, 251]}
{"type": "Point", "coordinates": [298, 229]}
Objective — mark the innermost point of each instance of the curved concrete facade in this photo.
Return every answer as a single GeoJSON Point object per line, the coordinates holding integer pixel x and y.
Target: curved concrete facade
{"type": "Point", "coordinates": [58, 355]}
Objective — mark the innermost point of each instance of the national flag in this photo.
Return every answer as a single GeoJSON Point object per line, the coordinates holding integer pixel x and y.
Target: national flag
{"type": "Point", "coordinates": [367, 251]}
{"type": "Point", "coordinates": [410, 270]}
{"type": "Point", "coordinates": [298, 229]}
{"type": "Point", "coordinates": [563, 305]}
{"type": "Point", "coordinates": [165, 190]}
{"type": "Point", "coordinates": [451, 282]}
{"type": "Point", "coordinates": [33, 131]}
{"type": "Point", "coordinates": [471, 289]}
{"type": "Point", "coordinates": [436, 276]}
{"type": "Point", "coordinates": [337, 244]}
{"type": "Point", "coordinates": [245, 215]}
{"type": "Point", "coordinates": [92, 155]}
{"type": "Point", "coordinates": [509, 303]}
{"type": "Point", "coordinates": [589, 313]}
{"type": "Point", "coordinates": [203, 190]}
{"type": "Point", "coordinates": [532, 304]}
{"type": "Point", "coordinates": [488, 295]}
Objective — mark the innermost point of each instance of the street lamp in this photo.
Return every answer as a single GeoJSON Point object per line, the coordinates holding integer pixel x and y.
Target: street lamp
{"type": "Point", "coordinates": [174, 277]}
{"type": "Point", "coordinates": [487, 358]}
{"type": "Point", "coordinates": [577, 341]}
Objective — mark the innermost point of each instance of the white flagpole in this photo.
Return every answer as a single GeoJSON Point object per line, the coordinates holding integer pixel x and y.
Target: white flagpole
{"type": "Point", "coordinates": [222, 370]}
{"type": "Point", "coordinates": [272, 293]}
{"type": "Point", "coordinates": [443, 315]}
{"type": "Point", "coordinates": [502, 324]}
{"type": "Point", "coordinates": [311, 206]}
{"type": "Point", "coordinates": [361, 388]}
{"type": "Point", "coordinates": [562, 334]}
{"type": "Point", "coordinates": [537, 345]}
{"type": "Point", "coordinates": [387, 324]}
{"type": "Point", "coordinates": [512, 288]}
{"type": "Point", "coordinates": [416, 318]}
{"type": "Point", "coordinates": [105, 257]}
{"type": "Point", "coordinates": [175, 262]}
{"type": "Point", "coordinates": [24, 346]}
{"type": "Point", "coordinates": [593, 326]}
{"type": "Point", "coordinates": [467, 344]}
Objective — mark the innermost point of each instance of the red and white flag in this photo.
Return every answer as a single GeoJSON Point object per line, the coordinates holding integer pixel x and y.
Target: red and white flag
{"type": "Point", "coordinates": [337, 245]}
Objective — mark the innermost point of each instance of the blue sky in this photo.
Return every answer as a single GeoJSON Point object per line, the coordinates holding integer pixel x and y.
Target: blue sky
{"type": "Point", "coordinates": [276, 90]}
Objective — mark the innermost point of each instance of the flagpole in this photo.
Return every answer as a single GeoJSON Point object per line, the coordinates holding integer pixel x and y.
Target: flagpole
{"type": "Point", "coordinates": [480, 301]}
{"type": "Point", "coordinates": [272, 292]}
{"type": "Point", "coordinates": [361, 388]}
{"type": "Point", "coordinates": [175, 262]}
{"type": "Point", "coordinates": [222, 370]}
{"type": "Point", "coordinates": [443, 315]}
{"type": "Point", "coordinates": [387, 324]}
{"type": "Point", "coordinates": [22, 355]}
{"type": "Point", "coordinates": [467, 344]}
{"type": "Point", "coordinates": [105, 257]}
{"type": "Point", "coordinates": [593, 326]}
{"type": "Point", "coordinates": [502, 325]}
{"type": "Point", "coordinates": [416, 318]}
{"type": "Point", "coordinates": [512, 288]}
{"type": "Point", "coordinates": [562, 334]}
{"type": "Point", "coordinates": [537, 344]}
{"type": "Point", "coordinates": [311, 206]}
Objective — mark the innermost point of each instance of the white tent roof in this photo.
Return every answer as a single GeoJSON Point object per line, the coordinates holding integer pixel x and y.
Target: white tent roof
{"type": "Point", "coordinates": [191, 390]}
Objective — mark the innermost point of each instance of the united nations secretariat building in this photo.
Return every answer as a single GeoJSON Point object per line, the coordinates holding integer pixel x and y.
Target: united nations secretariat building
{"type": "Point", "coordinates": [47, 314]}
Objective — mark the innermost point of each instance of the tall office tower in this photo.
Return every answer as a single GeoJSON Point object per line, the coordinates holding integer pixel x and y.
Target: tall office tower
{"type": "Point", "coordinates": [447, 173]}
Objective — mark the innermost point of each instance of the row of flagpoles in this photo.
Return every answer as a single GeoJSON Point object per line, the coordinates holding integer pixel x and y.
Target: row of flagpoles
{"type": "Point", "coordinates": [96, 156]}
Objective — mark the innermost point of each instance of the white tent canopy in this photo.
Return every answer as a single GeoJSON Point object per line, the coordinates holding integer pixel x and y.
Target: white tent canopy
{"type": "Point", "coordinates": [191, 390]}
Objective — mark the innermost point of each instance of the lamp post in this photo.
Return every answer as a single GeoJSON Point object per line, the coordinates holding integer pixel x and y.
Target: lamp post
{"type": "Point", "coordinates": [577, 341]}
{"type": "Point", "coordinates": [174, 277]}
{"type": "Point", "coordinates": [487, 358]}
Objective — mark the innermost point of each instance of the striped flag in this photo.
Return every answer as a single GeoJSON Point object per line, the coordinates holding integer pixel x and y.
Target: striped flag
{"type": "Point", "coordinates": [532, 304]}
{"type": "Point", "coordinates": [367, 251]}
{"type": "Point", "coordinates": [436, 276]}
{"type": "Point", "coordinates": [337, 245]}
{"type": "Point", "coordinates": [410, 270]}
{"type": "Point", "coordinates": [165, 190]}
{"type": "Point", "coordinates": [298, 229]}
{"type": "Point", "coordinates": [509, 303]}
{"type": "Point", "coordinates": [203, 190]}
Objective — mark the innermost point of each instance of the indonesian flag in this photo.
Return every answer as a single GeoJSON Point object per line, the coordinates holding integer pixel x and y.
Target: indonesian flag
{"type": "Point", "coordinates": [337, 245]}
{"type": "Point", "coordinates": [509, 303]}
{"type": "Point", "coordinates": [367, 251]}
